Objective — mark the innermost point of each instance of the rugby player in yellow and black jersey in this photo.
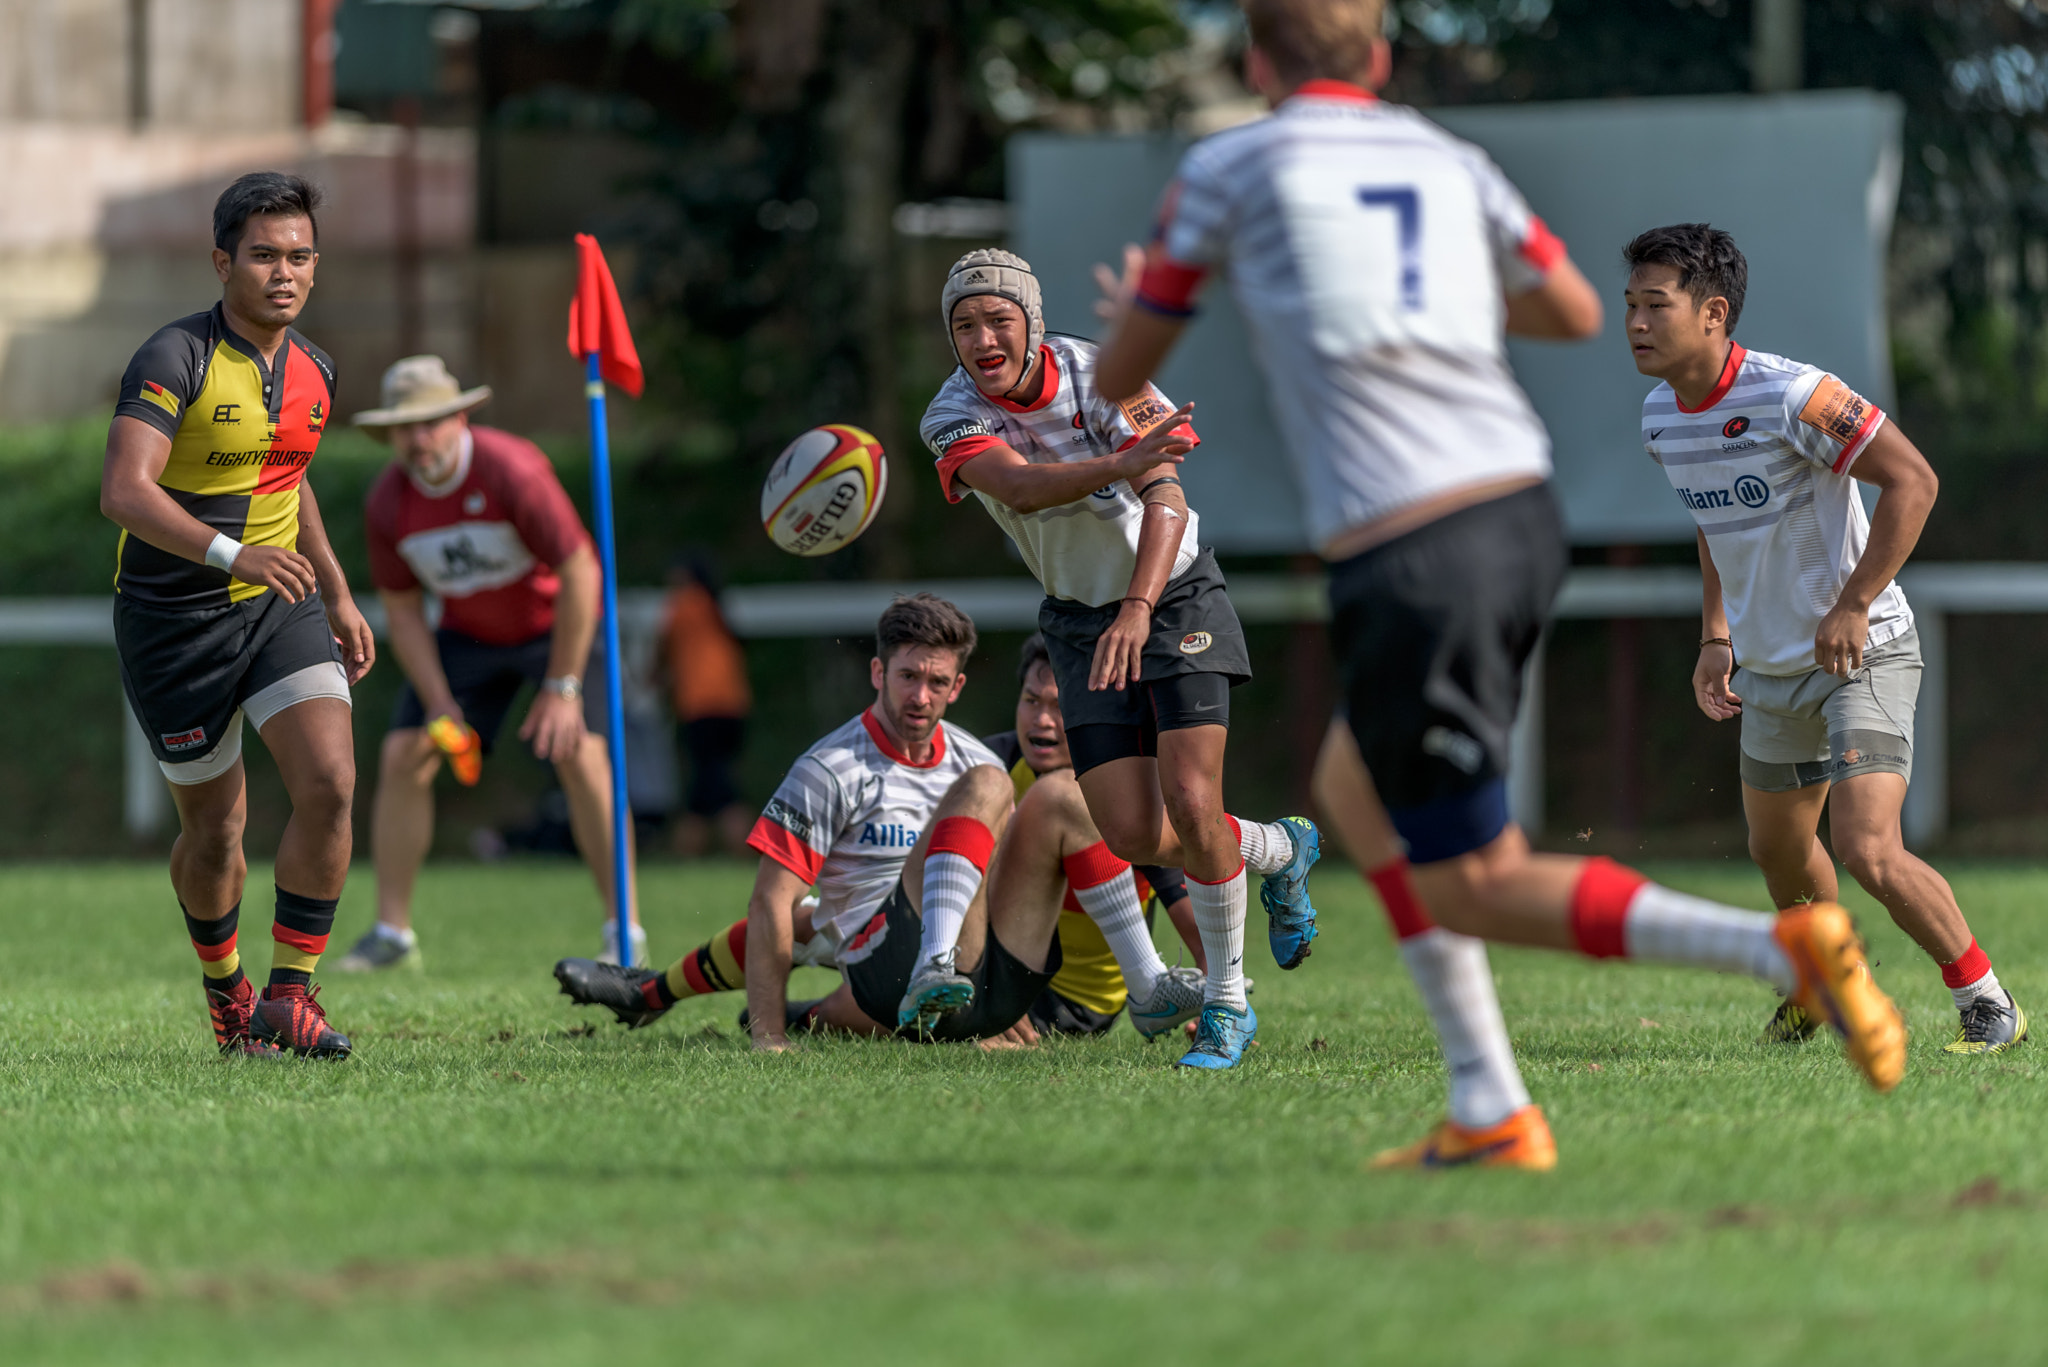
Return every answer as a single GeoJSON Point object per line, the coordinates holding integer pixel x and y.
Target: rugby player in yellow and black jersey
{"type": "Point", "coordinates": [230, 604]}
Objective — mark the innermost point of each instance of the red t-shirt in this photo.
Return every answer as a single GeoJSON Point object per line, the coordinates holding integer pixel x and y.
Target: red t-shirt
{"type": "Point", "coordinates": [486, 545]}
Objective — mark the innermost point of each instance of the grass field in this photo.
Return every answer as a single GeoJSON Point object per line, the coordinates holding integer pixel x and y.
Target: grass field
{"type": "Point", "coordinates": [489, 1180]}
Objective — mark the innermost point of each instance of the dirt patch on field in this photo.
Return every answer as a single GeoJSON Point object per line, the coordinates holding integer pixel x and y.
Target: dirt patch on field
{"type": "Point", "coordinates": [123, 1283]}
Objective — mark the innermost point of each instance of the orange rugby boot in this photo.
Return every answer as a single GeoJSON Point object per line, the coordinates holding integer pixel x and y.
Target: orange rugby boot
{"type": "Point", "coordinates": [1521, 1141]}
{"type": "Point", "coordinates": [1835, 986]}
{"type": "Point", "coordinates": [463, 746]}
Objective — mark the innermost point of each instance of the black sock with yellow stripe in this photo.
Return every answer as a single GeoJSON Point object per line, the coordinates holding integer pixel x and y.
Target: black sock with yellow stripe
{"type": "Point", "coordinates": [214, 941]}
{"type": "Point", "coordinates": [300, 933]}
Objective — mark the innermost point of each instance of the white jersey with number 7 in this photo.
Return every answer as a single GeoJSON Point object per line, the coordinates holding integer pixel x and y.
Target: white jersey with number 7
{"type": "Point", "coordinates": [1370, 253]}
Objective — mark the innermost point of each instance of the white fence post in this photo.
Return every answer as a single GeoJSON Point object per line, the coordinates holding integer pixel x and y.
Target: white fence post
{"type": "Point", "coordinates": [1925, 818]}
{"type": "Point", "coordinates": [145, 804]}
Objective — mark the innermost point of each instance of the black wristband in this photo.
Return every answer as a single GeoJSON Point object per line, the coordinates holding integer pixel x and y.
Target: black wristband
{"type": "Point", "coordinates": [1150, 606]}
{"type": "Point", "coordinates": [1163, 479]}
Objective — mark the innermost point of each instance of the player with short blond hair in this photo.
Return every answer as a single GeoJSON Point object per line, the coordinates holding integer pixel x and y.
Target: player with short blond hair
{"type": "Point", "coordinates": [1377, 262]}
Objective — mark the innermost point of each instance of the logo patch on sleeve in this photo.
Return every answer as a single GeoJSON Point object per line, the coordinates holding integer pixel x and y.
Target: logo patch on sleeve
{"type": "Point", "coordinates": [1836, 411]}
{"type": "Point", "coordinates": [789, 818]}
{"type": "Point", "coordinates": [1145, 410]}
{"type": "Point", "coordinates": [161, 397]}
{"type": "Point", "coordinates": [952, 432]}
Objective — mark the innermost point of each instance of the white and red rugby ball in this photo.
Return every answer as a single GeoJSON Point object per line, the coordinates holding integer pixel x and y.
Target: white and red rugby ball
{"type": "Point", "coordinates": [824, 489]}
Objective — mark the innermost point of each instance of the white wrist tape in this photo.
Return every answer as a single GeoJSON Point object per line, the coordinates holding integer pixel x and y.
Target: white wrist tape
{"type": "Point", "coordinates": [221, 554]}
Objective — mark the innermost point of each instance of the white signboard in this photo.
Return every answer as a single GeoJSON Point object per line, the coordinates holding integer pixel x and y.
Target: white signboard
{"type": "Point", "coordinates": [1807, 182]}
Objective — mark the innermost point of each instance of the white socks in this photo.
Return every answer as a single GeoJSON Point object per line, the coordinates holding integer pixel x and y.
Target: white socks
{"type": "Point", "coordinates": [950, 882]}
{"type": "Point", "coordinates": [1266, 846]}
{"type": "Point", "coordinates": [1456, 983]}
{"type": "Point", "coordinates": [1219, 915]}
{"type": "Point", "coordinates": [1663, 926]}
{"type": "Point", "coordinates": [1102, 885]}
{"type": "Point", "coordinates": [1986, 986]}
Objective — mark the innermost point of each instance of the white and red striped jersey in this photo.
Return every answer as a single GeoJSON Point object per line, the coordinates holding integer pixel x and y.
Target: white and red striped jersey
{"type": "Point", "coordinates": [1085, 550]}
{"type": "Point", "coordinates": [1370, 253]}
{"type": "Point", "coordinates": [847, 815]}
{"type": "Point", "coordinates": [1763, 464]}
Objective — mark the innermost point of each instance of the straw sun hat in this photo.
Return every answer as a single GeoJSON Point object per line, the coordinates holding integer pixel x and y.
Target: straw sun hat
{"type": "Point", "coordinates": [420, 389]}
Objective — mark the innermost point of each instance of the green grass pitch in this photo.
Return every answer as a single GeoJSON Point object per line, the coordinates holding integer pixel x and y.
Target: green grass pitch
{"type": "Point", "coordinates": [490, 1180]}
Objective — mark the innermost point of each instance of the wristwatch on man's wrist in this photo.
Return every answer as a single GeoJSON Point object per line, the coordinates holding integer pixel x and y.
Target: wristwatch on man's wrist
{"type": "Point", "coordinates": [564, 685]}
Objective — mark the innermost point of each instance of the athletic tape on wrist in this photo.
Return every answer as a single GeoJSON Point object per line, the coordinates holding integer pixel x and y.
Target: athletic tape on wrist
{"type": "Point", "coordinates": [222, 552]}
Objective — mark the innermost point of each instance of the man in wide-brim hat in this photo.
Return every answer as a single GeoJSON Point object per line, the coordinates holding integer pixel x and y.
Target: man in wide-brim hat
{"type": "Point", "coordinates": [476, 517]}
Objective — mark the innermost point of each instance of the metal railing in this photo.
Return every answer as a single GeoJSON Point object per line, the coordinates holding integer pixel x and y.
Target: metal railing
{"type": "Point", "coordinates": [836, 609]}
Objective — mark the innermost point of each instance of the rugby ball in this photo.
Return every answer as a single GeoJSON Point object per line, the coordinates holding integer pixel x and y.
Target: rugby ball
{"type": "Point", "coordinates": [824, 490]}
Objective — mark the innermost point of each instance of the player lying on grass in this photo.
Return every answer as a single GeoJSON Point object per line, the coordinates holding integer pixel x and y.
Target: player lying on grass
{"type": "Point", "coordinates": [892, 814]}
{"type": "Point", "coordinates": [1376, 261]}
{"type": "Point", "coordinates": [1143, 639]}
{"type": "Point", "coordinates": [1806, 636]}
{"type": "Point", "coordinates": [230, 605]}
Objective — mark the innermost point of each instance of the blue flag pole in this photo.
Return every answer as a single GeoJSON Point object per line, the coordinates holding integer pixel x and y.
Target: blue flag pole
{"type": "Point", "coordinates": [614, 690]}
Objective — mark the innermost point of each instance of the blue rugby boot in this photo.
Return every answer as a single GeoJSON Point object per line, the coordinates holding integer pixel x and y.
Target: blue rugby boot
{"type": "Point", "coordinates": [1290, 920]}
{"type": "Point", "coordinates": [1222, 1037]}
{"type": "Point", "coordinates": [936, 991]}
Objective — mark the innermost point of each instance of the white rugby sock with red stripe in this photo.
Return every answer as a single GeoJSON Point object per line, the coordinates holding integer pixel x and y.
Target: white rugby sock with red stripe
{"type": "Point", "coordinates": [1102, 885]}
{"type": "Point", "coordinates": [1455, 981]}
{"type": "Point", "coordinates": [953, 868]}
{"type": "Point", "coordinates": [1265, 845]}
{"type": "Point", "coordinates": [1219, 915]}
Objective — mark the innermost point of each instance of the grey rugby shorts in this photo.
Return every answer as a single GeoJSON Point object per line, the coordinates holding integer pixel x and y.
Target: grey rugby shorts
{"type": "Point", "coordinates": [1803, 729]}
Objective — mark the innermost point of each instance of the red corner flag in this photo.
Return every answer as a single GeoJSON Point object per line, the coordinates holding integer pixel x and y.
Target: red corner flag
{"type": "Point", "coordinates": [597, 321]}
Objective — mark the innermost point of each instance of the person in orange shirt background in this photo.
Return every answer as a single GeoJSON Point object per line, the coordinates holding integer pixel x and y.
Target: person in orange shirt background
{"type": "Point", "coordinates": [704, 669]}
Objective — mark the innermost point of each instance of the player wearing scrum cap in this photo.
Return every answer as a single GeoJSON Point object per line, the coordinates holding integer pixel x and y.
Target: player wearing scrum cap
{"type": "Point", "coordinates": [1377, 261]}
{"type": "Point", "coordinates": [1143, 640]}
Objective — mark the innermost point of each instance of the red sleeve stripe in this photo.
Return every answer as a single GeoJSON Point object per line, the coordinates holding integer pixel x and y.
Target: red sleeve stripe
{"type": "Point", "coordinates": [1185, 431]}
{"type": "Point", "coordinates": [1093, 866]}
{"type": "Point", "coordinates": [957, 455]}
{"type": "Point", "coordinates": [1872, 420]}
{"type": "Point", "coordinates": [784, 848]}
{"type": "Point", "coordinates": [1168, 287]}
{"type": "Point", "coordinates": [1542, 248]}
{"type": "Point", "coordinates": [966, 837]}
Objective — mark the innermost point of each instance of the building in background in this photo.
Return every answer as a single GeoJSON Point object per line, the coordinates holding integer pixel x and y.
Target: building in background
{"type": "Point", "coordinates": [121, 120]}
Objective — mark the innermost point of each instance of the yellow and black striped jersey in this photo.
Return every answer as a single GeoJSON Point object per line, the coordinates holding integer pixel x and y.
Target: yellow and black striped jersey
{"type": "Point", "coordinates": [242, 434]}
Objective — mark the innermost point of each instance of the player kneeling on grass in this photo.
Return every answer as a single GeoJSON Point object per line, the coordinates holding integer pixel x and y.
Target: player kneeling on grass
{"type": "Point", "coordinates": [1425, 476]}
{"type": "Point", "coordinates": [894, 813]}
{"type": "Point", "coordinates": [1143, 639]}
{"type": "Point", "coordinates": [1799, 590]}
